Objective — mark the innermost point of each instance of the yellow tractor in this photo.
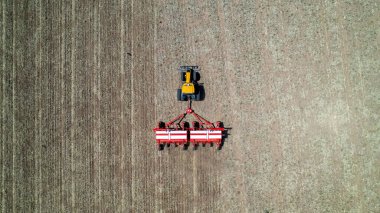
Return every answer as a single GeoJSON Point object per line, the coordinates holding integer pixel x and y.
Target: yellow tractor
{"type": "Point", "coordinates": [190, 89]}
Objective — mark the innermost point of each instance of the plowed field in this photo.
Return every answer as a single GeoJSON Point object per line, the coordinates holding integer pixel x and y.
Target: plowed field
{"type": "Point", "coordinates": [83, 83]}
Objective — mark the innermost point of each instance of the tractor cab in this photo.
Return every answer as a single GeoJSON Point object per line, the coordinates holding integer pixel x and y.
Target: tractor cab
{"type": "Point", "coordinates": [188, 87]}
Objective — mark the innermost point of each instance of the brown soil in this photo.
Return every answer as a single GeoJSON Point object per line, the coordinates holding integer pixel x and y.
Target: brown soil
{"type": "Point", "coordinates": [84, 82]}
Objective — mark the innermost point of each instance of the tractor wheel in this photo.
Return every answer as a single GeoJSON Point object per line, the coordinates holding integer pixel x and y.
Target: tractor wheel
{"type": "Point", "coordinates": [183, 97]}
{"type": "Point", "coordinates": [183, 76]}
{"type": "Point", "coordinates": [179, 95]}
{"type": "Point", "coordinates": [197, 76]}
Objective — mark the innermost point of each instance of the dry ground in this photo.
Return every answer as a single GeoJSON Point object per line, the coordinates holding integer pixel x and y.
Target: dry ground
{"type": "Point", "coordinates": [84, 82]}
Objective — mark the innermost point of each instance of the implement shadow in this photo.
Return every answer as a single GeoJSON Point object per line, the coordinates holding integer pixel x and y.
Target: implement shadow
{"type": "Point", "coordinates": [225, 135]}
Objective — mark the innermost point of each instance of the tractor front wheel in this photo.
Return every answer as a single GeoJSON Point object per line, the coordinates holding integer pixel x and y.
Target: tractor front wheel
{"type": "Point", "coordinates": [183, 76]}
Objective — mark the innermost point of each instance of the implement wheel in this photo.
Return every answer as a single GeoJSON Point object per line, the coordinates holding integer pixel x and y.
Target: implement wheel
{"type": "Point", "coordinates": [186, 146]}
{"type": "Point", "coordinates": [161, 147]}
{"type": "Point", "coordinates": [195, 146]}
{"type": "Point", "coordinates": [195, 124]}
{"type": "Point", "coordinates": [161, 125]}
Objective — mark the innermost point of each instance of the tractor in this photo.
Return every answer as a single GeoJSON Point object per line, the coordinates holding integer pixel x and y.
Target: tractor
{"type": "Point", "coordinates": [190, 89]}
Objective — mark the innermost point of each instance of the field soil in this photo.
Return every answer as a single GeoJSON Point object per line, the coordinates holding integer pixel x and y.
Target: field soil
{"type": "Point", "coordinates": [83, 83]}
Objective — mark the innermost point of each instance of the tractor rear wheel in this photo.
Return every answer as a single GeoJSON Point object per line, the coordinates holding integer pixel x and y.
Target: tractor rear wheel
{"type": "Point", "coordinates": [183, 97]}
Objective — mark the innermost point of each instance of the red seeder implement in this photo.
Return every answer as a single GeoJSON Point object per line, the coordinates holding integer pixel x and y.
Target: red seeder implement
{"type": "Point", "coordinates": [179, 132]}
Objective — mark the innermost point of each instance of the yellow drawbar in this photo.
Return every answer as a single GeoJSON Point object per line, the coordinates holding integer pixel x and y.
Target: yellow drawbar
{"type": "Point", "coordinates": [188, 87]}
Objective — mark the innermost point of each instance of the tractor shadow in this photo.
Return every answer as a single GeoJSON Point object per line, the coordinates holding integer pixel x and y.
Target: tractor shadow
{"type": "Point", "coordinates": [201, 91]}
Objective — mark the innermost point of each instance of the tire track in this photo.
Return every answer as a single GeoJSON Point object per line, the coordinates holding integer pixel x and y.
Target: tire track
{"type": "Point", "coordinates": [49, 145]}
{"type": "Point", "coordinates": [127, 145]}
{"type": "Point", "coordinates": [111, 107]}
{"type": "Point", "coordinates": [38, 114]}
{"type": "Point", "coordinates": [142, 110]}
{"type": "Point", "coordinates": [7, 106]}
{"type": "Point", "coordinates": [65, 119]}
{"type": "Point", "coordinates": [2, 97]}
{"type": "Point", "coordinates": [72, 103]}
{"type": "Point", "coordinates": [84, 170]}
{"type": "Point", "coordinates": [96, 107]}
